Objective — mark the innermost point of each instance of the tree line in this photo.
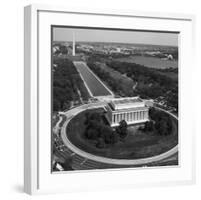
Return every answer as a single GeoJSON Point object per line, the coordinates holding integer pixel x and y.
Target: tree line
{"type": "Point", "coordinates": [160, 123]}
{"type": "Point", "coordinates": [103, 134]}
{"type": "Point", "coordinates": [66, 83]}
{"type": "Point", "coordinates": [151, 83]}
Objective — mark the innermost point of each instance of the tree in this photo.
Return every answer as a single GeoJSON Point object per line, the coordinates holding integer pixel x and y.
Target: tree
{"type": "Point", "coordinates": [123, 124]}
{"type": "Point", "coordinates": [107, 134]}
{"type": "Point", "coordinates": [97, 130]}
{"type": "Point", "coordinates": [66, 82]}
{"type": "Point", "coordinates": [94, 125]}
{"type": "Point", "coordinates": [161, 127]}
{"type": "Point", "coordinates": [93, 117]}
{"type": "Point", "coordinates": [56, 104]}
{"type": "Point", "coordinates": [122, 129]}
{"type": "Point", "coordinates": [149, 126]}
{"type": "Point", "coordinates": [92, 134]}
{"type": "Point", "coordinates": [63, 49]}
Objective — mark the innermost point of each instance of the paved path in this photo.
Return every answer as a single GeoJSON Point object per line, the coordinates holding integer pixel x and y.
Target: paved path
{"type": "Point", "coordinates": [56, 127]}
{"type": "Point", "coordinates": [73, 112]}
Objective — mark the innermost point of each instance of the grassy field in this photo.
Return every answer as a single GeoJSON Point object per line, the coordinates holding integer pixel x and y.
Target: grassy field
{"type": "Point", "coordinates": [150, 62]}
{"type": "Point", "coordinates": [125, 82]}
{"type": "Point", "coordinates": [136, 145]}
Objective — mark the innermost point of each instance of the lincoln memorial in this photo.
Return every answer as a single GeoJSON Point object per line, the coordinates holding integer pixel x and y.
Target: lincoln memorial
{"type": "Point", "coordinates": [133, 110]}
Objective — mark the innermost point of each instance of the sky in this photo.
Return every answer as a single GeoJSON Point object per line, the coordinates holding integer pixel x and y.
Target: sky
{"type": "Point", "coordinates": [97, 35]}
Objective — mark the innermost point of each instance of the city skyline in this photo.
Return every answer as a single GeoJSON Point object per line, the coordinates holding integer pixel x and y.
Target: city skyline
{"type": "Point", "coordinates": [115, 36]}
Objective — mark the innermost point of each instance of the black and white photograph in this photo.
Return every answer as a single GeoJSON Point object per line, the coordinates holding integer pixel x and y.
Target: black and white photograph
{"type": "Point", "coordinates": [100, 100]}
{"type": "Point", "coordinates": [114, 98]}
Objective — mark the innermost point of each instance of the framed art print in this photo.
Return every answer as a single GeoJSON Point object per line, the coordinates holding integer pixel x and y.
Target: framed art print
{"type": "Point", "coordinates": [107, 99]}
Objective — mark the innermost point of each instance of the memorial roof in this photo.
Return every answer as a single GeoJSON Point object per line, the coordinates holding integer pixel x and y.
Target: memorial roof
{"type": "Point", "coordinates": [142, 108]}
{"type": "Point", "coordinates": [129, 100]}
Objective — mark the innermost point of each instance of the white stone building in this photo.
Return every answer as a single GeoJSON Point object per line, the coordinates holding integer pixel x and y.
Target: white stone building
{"type": "Point", "coordinates": [133, 110]}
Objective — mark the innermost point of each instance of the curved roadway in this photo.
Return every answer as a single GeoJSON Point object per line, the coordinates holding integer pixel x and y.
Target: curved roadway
{"type": "Point", "coordinates": [73, 112]}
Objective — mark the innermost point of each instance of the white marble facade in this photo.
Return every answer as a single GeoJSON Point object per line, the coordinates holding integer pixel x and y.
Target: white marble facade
{"type": "Point", "coordinates": [132, 110]}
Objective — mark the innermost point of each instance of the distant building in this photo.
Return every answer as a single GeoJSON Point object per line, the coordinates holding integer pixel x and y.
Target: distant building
{"type": "Point", "coordinates": [133, 110]}
{"type": "Point", "coordinates": [170, 57]}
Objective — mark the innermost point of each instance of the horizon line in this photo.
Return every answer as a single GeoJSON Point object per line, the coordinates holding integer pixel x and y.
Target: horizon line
{"type": "Point", "coordinates": [118, 43]}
